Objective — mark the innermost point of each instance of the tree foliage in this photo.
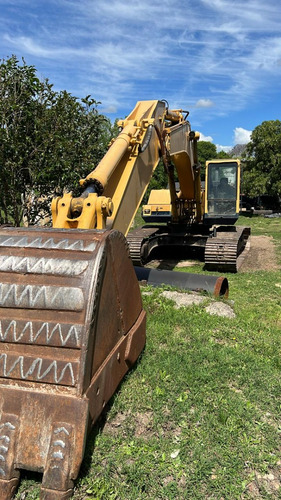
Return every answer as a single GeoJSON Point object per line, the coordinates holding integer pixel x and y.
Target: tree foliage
{"type": "Point", "coordinates": [262, 167]}
{"type": "Point", "coordinates": [206, 151]}
{"type": "Point", "coordinates": [48, 141]}
{"type": "Point", "coordinates": [223, 155]}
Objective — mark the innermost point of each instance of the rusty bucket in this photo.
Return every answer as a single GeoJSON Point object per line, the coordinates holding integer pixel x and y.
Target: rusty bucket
{"type": "Point", "coordinates": [71, 325]}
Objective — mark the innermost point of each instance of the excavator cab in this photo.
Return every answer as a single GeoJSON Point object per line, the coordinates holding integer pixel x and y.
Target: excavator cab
{"type": "Point", "coordinates": [222, 192]}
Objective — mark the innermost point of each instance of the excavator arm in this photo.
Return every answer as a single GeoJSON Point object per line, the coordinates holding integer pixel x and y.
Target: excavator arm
{"type": "Point", "coordinates": [114, 190]}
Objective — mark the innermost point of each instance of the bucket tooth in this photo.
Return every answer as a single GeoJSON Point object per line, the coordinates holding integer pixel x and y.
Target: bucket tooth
{"type": "Point", "coordinates": [9, 476]}
{"type": "Point", "coordinates": [47, 494]}
{"type": "Point", "coordinates": [58, 465]}
{"type": "Point", "coordinates": [71, 326]}
{"type": "Point", "coordinates": [8, 488]}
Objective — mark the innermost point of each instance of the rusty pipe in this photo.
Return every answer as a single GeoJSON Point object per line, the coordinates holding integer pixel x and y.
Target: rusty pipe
{"type": "Point", "coordinates": [217, 285]}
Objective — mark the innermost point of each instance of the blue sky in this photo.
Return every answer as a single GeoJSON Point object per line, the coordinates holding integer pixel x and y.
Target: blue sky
{"type": "Point", "coordinates": [219, 59]}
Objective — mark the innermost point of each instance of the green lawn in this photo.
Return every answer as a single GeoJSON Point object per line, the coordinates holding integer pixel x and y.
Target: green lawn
{"type": "Point", "coordinates": [199, 416]}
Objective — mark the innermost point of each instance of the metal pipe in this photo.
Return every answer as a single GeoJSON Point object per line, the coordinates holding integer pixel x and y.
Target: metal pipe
{"type": "Point", "coordinates": [174, 115]}
{"type": "Point", "coordinates": [217, 285]}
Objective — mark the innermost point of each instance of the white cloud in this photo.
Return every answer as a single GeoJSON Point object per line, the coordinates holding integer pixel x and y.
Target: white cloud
{"type": "Point", "coordinates": [204, 103]}
{"type": "Point", "coordinates": [109, 109]}
{"type": "Point", "coordinates": [253, 14]}
{"type": "Point", "coordinates": [229, 51]}
{"type": "Point", "coordinates": [32, 47]}
{"type": "Point", "coordinates": [223, 148]}
{"type": "Point", "coordinates": [241, 135]}
{"type": "Point", "coordinates": [206, 138]}
{"type": "Point", "coordinates": [209, 138]}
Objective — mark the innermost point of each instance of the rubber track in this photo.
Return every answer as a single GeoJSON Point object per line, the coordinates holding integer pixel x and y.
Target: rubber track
{"type": "Point", "coordinates": [226, 251]}
{"type": "Point", "coordinates": [136, 240]}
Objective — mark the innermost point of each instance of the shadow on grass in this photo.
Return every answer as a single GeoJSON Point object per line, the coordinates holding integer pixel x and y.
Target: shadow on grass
{"type": "Point", "coordinates": [98, 426]}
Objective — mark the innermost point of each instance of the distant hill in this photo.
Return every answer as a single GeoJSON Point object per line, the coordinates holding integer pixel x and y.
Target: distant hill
{"type": "Point", "coordinates": [238, 150]}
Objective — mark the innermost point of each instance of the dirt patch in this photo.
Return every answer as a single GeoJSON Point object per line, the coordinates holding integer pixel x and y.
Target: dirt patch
{"type": "Point", "coordinates": [183, 299]}
{"type": "Point", "coordinates": [167, 480]}
{"type": "Point", "coordinates": [268, 484]}
{"type": "Point", "coordinates": [261, 255]}
{"type": "Point", "coordinates": [140, 424]}
{"type": "Point", "coordinates": [114, 426]}
{"type": "Point", "coordinates": [189, 299]}
{"type": "Point", "coordinates": [143, 423]}
{"type": "Point", "coordinates": [220, 309]}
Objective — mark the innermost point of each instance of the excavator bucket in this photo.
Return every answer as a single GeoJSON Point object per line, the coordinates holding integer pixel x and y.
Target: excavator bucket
{"type": "Point", "coordinates": [71, 325]}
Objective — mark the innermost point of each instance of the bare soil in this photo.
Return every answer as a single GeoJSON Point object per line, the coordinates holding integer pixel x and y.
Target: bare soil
{"type": "Point", "coordinates": [265, 485]}
{"type": "Point", "coordinates": [261, 255]}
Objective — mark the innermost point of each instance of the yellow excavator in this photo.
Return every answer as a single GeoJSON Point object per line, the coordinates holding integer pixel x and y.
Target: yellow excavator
{"type": "Point", "coordinates": [215, 239]}
{"type": "Point", "coordinates": [201, 220]}
{"type": "Point", "coordinates": [72, 322]}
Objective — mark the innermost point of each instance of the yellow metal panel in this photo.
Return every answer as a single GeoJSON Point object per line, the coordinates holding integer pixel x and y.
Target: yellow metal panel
{"type": "Point", "coordinates": [159, 196]}
{"type": "Point", "coordinates": [128, 182]}
{"type": "Point", "coordinates": [181, 150]}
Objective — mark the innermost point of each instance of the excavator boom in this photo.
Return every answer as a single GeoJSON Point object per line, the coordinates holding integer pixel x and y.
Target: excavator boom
{"type": "Point", "coordinates": [115, 188]}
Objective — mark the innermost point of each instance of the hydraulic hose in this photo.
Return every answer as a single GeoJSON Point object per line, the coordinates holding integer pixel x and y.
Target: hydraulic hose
{"type": "Point", "coordinates": [147, 139]}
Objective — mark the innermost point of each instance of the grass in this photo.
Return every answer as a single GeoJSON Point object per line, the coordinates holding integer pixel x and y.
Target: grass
{"type": "Point", "coordinates": [199, 415]}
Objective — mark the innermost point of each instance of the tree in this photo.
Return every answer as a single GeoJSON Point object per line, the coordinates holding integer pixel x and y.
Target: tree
{"type": "Point", "coordinates": [223, 155]}
{"type": "Point", "coordinates": [206, 151]}
{"type": "Point", "coordinates": [48, 140]}
{"type": "Point", "coordinates": [262, 164]}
